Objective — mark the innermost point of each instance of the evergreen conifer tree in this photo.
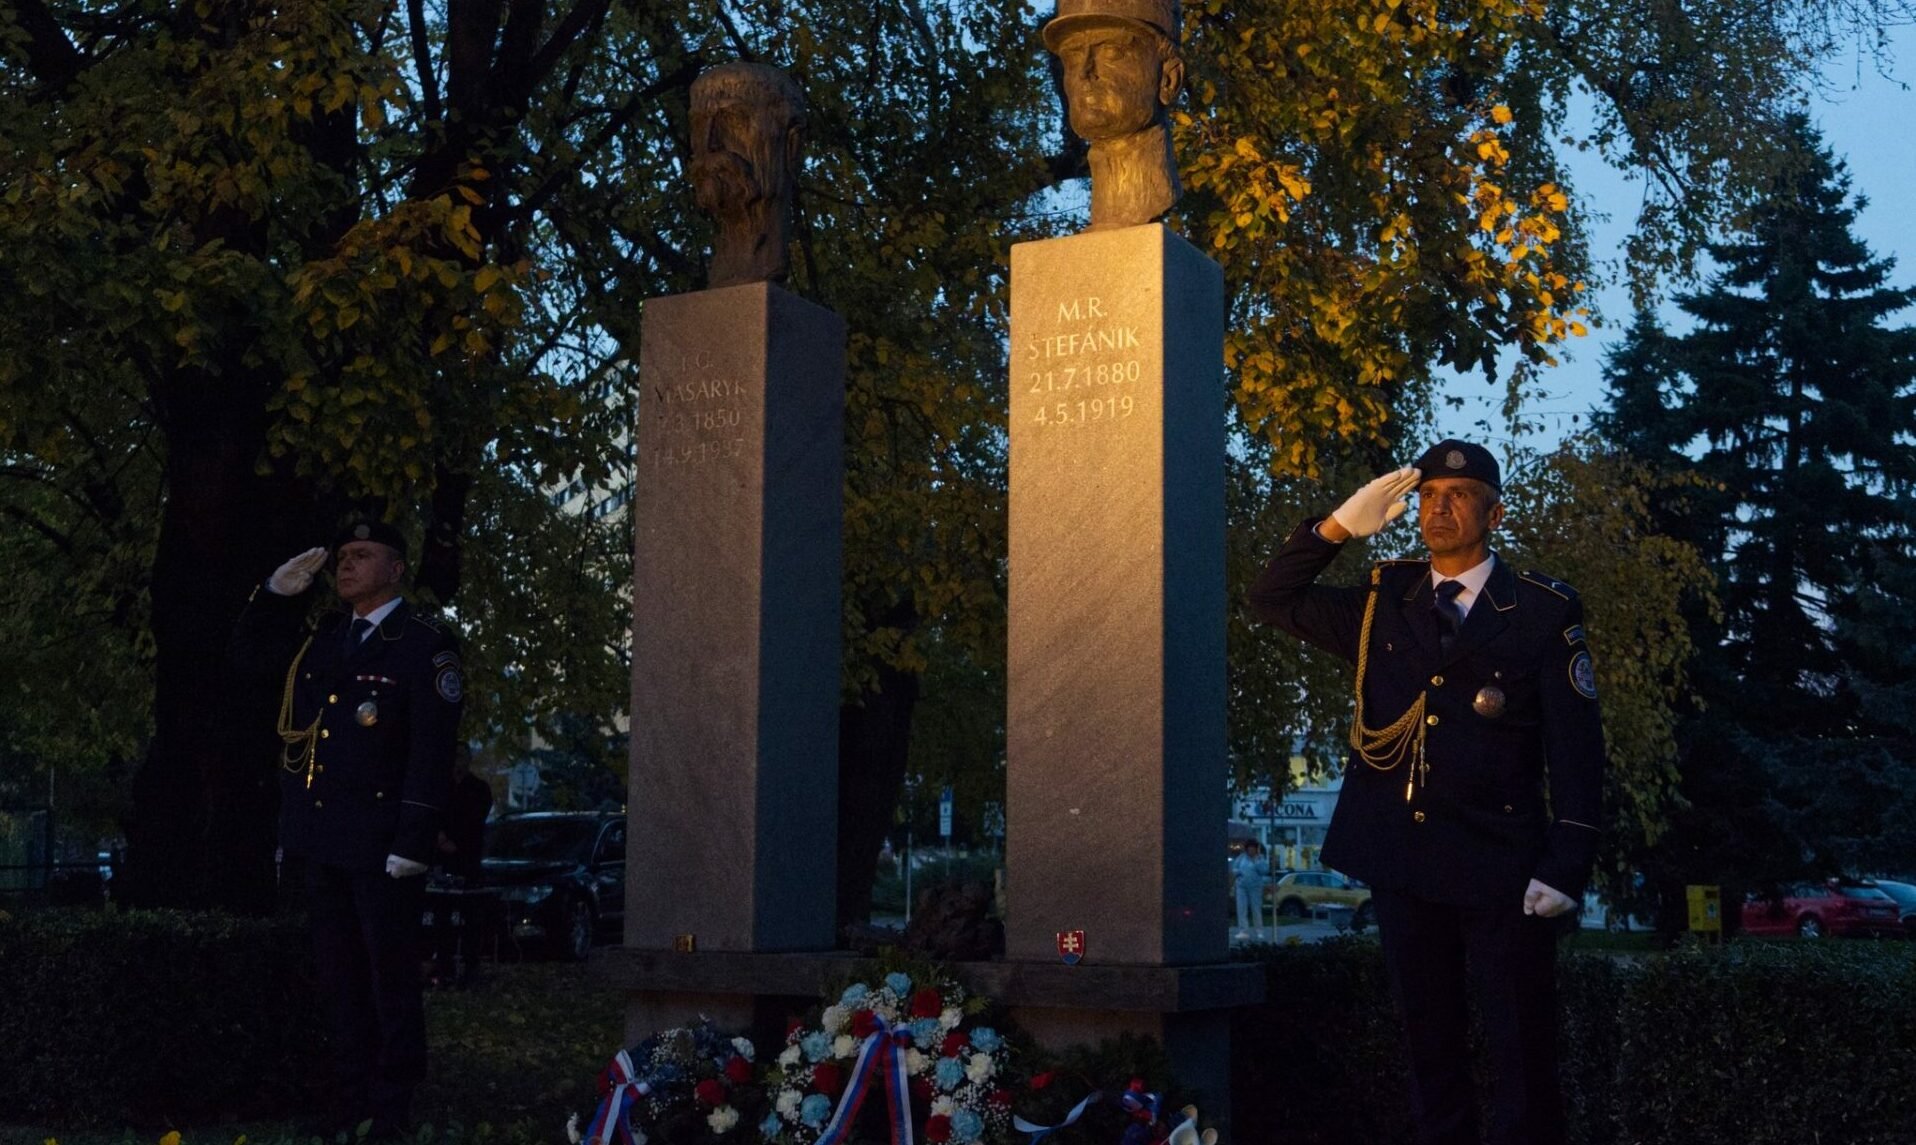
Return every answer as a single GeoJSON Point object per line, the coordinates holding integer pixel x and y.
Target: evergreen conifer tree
{"type": "Point", "coordinates": [1792, 401]}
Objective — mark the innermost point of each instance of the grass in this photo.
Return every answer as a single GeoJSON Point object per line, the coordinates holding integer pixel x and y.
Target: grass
{"type": "Point", "coordinates": [512, 1057]}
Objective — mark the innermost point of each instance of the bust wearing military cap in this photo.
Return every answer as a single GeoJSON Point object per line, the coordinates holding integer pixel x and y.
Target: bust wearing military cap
{"type": "Point", "coordinates": [1121, 72]}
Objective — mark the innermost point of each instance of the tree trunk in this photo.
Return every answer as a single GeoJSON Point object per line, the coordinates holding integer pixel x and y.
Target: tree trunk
{"type": "Point", "coordinates": [202, 829]}
{"type": "Point", "coordinates": [874, 739]}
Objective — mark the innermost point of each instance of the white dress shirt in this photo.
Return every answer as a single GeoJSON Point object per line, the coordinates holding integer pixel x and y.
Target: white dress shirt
{"type": "Point", "coordinates": [1473, 579]}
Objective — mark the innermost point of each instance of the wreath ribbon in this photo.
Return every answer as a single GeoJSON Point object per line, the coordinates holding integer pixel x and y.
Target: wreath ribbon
{"type": "Point", "coordinates": [1040, 1132]}
{"type": "Point", "coordinates": [612, 1122]}
{"type": "Point", "coordinates": [881, 1061]}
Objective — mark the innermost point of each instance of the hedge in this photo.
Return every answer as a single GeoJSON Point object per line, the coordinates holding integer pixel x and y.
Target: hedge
{"type": "Point", "coordinates": [154, 1017]}
{"type": "Point", "coordinates": [1761, 1043]}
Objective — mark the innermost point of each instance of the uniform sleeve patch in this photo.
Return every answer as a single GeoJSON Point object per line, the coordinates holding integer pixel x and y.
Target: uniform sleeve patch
{"type": "Point", "coordinates": [1573, 635]}
{"type": "Point", "coordinates": [1583, 675]}
{"type": "Point", "coordinates": [450, 687]}
{"type": "Point", "coordinates": [446, 659]}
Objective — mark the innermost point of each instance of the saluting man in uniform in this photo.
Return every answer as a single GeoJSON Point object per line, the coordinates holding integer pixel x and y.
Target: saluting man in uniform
{"type": "Point", "coordinates": [369, 718]}
{"type": "Point", "coordinates": [1474, 685]}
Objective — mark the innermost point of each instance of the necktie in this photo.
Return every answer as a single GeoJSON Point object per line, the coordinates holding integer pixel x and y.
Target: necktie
{"type": "Point", "coordinates": [1450, 615]}
{"type": "Point", "coordinates": [355, 634]}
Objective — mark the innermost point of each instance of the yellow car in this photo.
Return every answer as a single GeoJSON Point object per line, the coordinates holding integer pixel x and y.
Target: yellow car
{"type": "Point", "coordinates": [1299, 893]}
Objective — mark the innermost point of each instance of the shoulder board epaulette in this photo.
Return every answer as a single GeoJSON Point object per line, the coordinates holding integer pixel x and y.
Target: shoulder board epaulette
{"type": "Point", "coordinates": [1544, 581]}
{"type": "Point", "coordinates": [432, 622]}
{"type": "Point", "coordinates": [1401, 561]}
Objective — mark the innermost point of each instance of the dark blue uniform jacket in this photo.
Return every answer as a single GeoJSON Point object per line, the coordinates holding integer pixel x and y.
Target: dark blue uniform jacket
{"type": "Point", "coordinates": [1475, 828]}
{"type": "Point", "coordinates": [377, 782]}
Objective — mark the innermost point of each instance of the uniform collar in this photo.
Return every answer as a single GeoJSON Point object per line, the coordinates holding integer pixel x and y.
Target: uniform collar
{"type": "Point", "coordinates": [378, 615]}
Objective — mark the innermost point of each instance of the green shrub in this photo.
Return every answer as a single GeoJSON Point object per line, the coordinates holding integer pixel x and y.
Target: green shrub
{"type": "Point", "coordinates": [147, 1017]}
{"type": "Point", "coordinates": [1758, 1043]}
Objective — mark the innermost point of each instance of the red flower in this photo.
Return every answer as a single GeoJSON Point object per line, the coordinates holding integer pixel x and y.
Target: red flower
{"type": "Point", "coordinates": [1041, 1080]}
{"type": "Point", "coordinates": [955, 1042]}
{"type": "Point", "coordinates": [921, 1090]}
{"type": "Point", "coordinates": [1001, 1098]}
{"type": "Point", "coordinates": [792, 1028]}
{"type": "Point", "coordinates": [711, 1091]}
{"type": "Point", "coordinates": [927, 1003]}
{"type": "Point", "coordinates": [828, 1079]}
{"type": "Point", "coordinates": [738, 1071]}
{"type": "Point", "coordinates": [864, 1024]}
{"type": "Point", "coordinates": [938, 1128]}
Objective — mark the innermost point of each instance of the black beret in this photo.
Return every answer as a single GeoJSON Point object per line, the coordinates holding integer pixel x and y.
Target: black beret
{"type": "Point", "coordinates": [378, 531]}
{"type": "Point", "coordinates": [1453, 458]}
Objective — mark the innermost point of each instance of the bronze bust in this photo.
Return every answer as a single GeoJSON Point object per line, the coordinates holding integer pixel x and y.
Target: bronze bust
{"type": "Point", "coordinates": [748, 123]}
{"type": "Point", "coordinates": [1121, 71]}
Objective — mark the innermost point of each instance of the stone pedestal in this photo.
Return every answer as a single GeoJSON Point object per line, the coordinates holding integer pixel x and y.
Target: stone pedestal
{"type": "Point", "coordinates": [1116, 789]}
{"type": "Point", "coordinates": [735, 623]}
{"type": "Point", "coordinates": [1116, 774]}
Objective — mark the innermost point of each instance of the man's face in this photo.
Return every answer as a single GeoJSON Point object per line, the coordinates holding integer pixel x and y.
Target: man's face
{"type": "Point", "coordinates": [365, 570]}
{"type": "Point", "coordinates": [1113, 81]}
{"type": "Point", "coordinates": [1456, 514]}
{"type": "Point", "coordinates": [736, 152]}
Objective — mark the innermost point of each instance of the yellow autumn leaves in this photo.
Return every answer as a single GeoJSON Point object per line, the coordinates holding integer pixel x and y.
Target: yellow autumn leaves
{"type": "Point", "coordinates": [1376, 204]}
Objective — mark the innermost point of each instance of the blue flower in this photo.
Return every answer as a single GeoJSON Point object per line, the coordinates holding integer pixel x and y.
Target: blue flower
{"type": "Point", "coordinates": [816, 1045]}
{"type": "Point", "coordinates": [985, 1038]}
{"type": "Point", "coordinates": [966, 1126]}
{"type": "Point", "coordinates": [667, 1072]}
{"type": "Point", "coordinates": [899, 984]}
{"type": "Point", "coordinates": [770, 1127]}
{"type": "Point", "coordinates": [815, 1110]}
{"type": "Point", "coordinates": [854, 994]}
{"type": "Point", "coordinates": [950, 1072]}
{"type": "Point", "coordinates": [927, 1033]}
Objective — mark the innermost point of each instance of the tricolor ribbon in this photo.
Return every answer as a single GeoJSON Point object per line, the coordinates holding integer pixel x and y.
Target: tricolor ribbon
{"type": "Point", "coordinates": [882, 1060]}
{"type": "Point", "coordinates": [612, 1121]}
{"type": "Point", "coordinates": [1136, 1101]}
{"type": "Point", "coordinates": [1040, 1132]}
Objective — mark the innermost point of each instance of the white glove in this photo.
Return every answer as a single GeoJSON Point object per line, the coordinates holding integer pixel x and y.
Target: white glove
{"type": "Point", "coordinates": [1379, 503]}
{"type": "Point", "coordinates": [1545, 901]}
{"type": "Point", "coordinates": [296, 575]}
{"type": "Point", "coordinates": [400, 868]}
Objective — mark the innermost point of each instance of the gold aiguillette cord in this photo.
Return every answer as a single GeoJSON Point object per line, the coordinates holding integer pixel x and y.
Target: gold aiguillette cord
{"type": "Point", "coordinates": [302, 744]}
{"type": "Point", "coordinates": [1385, 748]}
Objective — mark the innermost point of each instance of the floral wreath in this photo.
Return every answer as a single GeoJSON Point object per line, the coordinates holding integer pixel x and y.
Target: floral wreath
{"type": "Point", "coordinates": [915, 1045]}
{"type": "Point", "coordinates": [674, 1077]}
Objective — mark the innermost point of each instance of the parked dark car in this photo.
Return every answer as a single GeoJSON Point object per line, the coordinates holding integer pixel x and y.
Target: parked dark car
{"type": "Point", "coordinates": [1839, 907]}
{"type": "Point", "coordinates": [562, 876]}
{"type": "Point", "coordinates": [1905, 896]}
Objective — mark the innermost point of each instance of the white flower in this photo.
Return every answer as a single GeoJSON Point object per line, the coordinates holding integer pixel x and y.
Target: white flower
{"type": "Point", "coordinates": [788, 1103]}
{"type": "Point", "coordinates": [744, 1048]}
{"type": "Point", "coordinates": [944, 1107]}
{"type": "Point", "coordinates": [572, 1129]}
{"type": "Point", "coordinates": [844, 1045]}
{"type": "Point", "coordinates": [951, 1017]}
{"type": "Point", "coordinates": [915, 1062]}
{"type": "Point", "coordinates": [980, 1069]}
{"type": "Point", "coordinates": [722, 1118]}
{"type": "Point", "coordinates": [790, 1057]}
{"type": "Point", "coordinates": [833, 1019]}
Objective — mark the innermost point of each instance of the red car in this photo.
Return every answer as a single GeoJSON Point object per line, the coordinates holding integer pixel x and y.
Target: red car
{"type": "Point", "coordinates": [1838, 907]}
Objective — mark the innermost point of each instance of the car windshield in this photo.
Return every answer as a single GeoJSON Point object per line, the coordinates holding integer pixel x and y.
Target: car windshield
{"type": "Point", "coordinates": [540, 840]}
{"type": "Point", "coordinates": [1869, 893]}
{"type": "Point", "coordinates": [1903, 893]}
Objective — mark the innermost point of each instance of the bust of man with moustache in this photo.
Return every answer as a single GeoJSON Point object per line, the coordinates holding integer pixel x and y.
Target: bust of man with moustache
{"type": "Point", "coordinates": [1121, 71]}
{"type": "Point", "coordinates": [748, 123]}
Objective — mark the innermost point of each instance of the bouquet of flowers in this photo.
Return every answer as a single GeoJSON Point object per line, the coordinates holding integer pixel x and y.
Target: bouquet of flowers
{"type": "Point", "coordinates": [916, 1045]}
{"type": "Point", "coordinates": [692, 1083]}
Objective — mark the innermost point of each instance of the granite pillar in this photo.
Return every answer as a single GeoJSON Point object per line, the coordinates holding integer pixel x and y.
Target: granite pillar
{"type": "Point", "coordinates": [1116, 773]}
{"type": "Point", "coordinates": [1116, 789]}
{"type": "Point", "coordinates": [735, 626]}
